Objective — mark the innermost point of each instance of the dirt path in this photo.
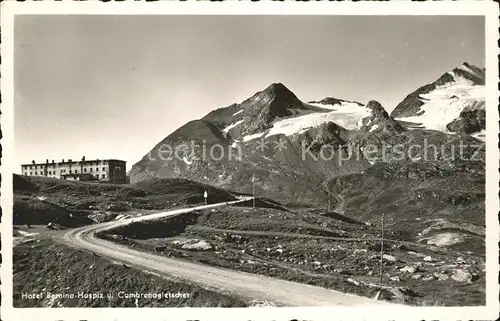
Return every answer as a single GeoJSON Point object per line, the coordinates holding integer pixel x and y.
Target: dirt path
{"type": "Point", "coordinates": [307, 236]}
{"type": "Point", "coordinates": [226, 281]}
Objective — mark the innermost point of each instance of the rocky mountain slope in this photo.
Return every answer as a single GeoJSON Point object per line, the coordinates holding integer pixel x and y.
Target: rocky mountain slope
{"type": "Point", "coordinates": [291, 150]}
{"type": "Point", "coordinates": [455, 102]}
{"type": "Point", "coordinates": [272, 136]}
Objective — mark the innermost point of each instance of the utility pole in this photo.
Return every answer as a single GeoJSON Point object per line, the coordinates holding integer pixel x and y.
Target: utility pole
{"type": "Point", "coordinates": [253, 190]}
{"type": "Point", "coordinates": [382, 249]}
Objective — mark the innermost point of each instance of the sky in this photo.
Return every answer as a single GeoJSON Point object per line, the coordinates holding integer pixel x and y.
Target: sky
{"type": "Point", "coordinates": [114, 86]}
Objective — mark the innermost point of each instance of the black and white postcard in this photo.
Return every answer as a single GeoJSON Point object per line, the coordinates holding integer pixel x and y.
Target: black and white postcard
{"type": "Point", "coordinates": [249, 161]}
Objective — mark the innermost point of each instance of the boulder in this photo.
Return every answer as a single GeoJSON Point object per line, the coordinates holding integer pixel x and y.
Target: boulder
{"type": "Point", "coordinates": [395, 278]}
{"type": "Point", "coordinates": [446, 239]}
{"type": "Point", "coordinates": [389, 258]}
{"type": "Point", "coordinates": [461, 275]}
{"type": "Point", "coordinates": [428, 278]}
{"type": "Point", "coordinates": [441, 276]}
{"type": "Point", "coordinates": [200, 245]}
{"type": "Point", "coordinates": [428, 258]}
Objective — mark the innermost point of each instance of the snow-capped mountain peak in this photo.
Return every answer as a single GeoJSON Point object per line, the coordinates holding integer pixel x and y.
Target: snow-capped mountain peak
{"type": "Point", "coordinates": [475, 74]}
{"type": "Point", "coordinates": [442, 105]}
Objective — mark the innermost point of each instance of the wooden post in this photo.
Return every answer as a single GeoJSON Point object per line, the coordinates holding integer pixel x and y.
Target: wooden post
{"type": "Point", "coordinates": [382, 250]}
{"type": "Point", "coordinates": [253, 191]}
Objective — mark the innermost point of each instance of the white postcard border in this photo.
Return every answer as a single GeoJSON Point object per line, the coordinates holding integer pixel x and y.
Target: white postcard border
{"type": "Point", "coordinates": [489, 9]}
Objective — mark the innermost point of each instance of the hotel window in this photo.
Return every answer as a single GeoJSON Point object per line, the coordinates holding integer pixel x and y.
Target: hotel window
{"type": "Point", "coordinates": [103, 176]}
{"type": "Point", "coordinates": [36, 173]}
{"type": "Point", "coordinates": [91, 169]}
{"type": "Point", "coordinates": [76, 171]}
{"type": "Point", "coordinates": [85, 170]}
{"type": "Point", "coordinates": [103, 169]}
{"type": "Point", "coordinates": [31, 173]}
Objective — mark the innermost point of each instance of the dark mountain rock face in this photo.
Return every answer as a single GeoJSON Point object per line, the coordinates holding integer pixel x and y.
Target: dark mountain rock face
{"type": "Point", "coordinates": [329, 133]}
{"type": "Point", "coordinates": [470, 72]}
{"type": "Point", "coordinates": [472, 119]}
{"type": "Point", "coordinates": [379, 120]}
{"type": "Point", "coordinates": [259, 111]}
{"type": "Point", "coordinates": [410, 106]}
{"type": "Point", "coordinates": [170, 157]}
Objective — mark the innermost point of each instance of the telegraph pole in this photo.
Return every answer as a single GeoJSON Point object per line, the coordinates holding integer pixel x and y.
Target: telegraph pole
{"type": "Point", "coordinates": [382, 249]}
{"type": "Point", "coordinates": [253, 190]}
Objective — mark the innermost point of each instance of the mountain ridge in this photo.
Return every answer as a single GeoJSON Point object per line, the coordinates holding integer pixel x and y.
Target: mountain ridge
{"type": "Point", "coordinates": [318, 141]}
{"type": "Point", "coordinates": [409, 106]}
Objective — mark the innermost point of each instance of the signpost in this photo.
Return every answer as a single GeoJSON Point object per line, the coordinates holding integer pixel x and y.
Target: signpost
{"type": "Point", "coordinates": [205, 195]}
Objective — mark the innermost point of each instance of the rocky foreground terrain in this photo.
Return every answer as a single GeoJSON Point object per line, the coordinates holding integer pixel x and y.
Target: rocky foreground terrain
{"type": "Point", "coordinates": [42, 265]}
{"type": "Point", "coordinates": [325, 249]}
{"type": "Point", "coordinates": [299, 243]}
